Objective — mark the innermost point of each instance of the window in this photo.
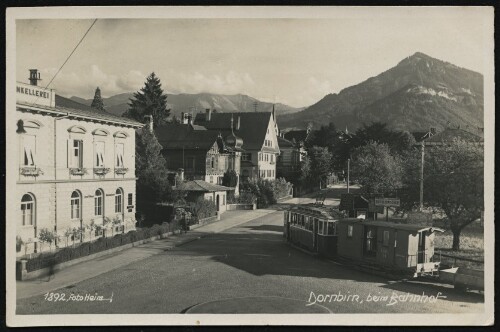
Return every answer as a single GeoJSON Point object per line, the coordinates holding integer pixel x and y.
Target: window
{"type": "Point", "coordinates": [386, 238]}
{"type": "Point", "coordinates": [119, 201]}
{"type": "Point", "coordinates": [260, 156]}
{"type": "Point", "coordinates": [272, 158]}
{"type": "Point", "coordinates": [29, 150]}
{"type": "Point", "coordinates": [76, 202]}
{"type": "Point", "coordinates": [211, 179]}
{"type": "Point", "coordinates": [213, 165]}
{"type": "Point", "coordinates": [99, 154]}
{"type": "Point", "coordinates": [98, 203]}
{"type": "Point", "coordinates": [130, 199]}
{"type": "Point", "coordinates": [246, 156]}
{"type": "Point", "coordinates": [76, 153]}
{"type": "Point", "coordinates": [119, 149]}
{"type": "Point", "coordinates": [350, 230]}
{"type": "Point", "coordinates": [28, 210]}
{"type": "Point", "coordinates": [330, 228]}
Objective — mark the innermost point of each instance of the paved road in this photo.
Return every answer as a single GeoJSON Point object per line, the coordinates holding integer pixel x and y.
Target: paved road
{"type": "Point", "coordinates": [247, 268]}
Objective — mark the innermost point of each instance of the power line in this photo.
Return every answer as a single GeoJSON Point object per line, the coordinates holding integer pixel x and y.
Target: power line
{"type": "Point", "coordinates": [69, 56]}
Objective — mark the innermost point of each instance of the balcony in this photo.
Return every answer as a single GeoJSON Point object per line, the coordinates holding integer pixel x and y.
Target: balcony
{"type": "Point", "coordinates": [121, 171]}
{"type": "Point", "coordinates": [31, 171]}
{"type": "Point", "coordinates": [101, 171]}
{"type": "Point", "coordinates": [78, 171]}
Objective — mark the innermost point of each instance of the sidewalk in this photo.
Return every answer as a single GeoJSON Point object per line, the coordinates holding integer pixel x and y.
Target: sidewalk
{"type": "Point", "coordinates": [90, 269]}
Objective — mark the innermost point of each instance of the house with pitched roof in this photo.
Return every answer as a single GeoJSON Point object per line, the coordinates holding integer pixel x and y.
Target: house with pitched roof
{"type": "Point", "coordinates": [201, 154]}
{"type": "Point", "coordinates": [449, 135]}
{"type": "Point", "coordinates": [290, 158]}
{"type": "Point", "coordinates": [258, 130]}
{"type": "Point", "coordinates": [75, 168]}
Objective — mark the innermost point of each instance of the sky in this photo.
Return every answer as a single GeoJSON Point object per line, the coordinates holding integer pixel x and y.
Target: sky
{"type": "Point", "coordinates": [286, 60]}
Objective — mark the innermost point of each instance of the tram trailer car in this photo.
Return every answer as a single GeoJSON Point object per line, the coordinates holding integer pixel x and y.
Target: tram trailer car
{"type": "Point", "coordinates": [398, 247]}
{"type": "Point", "coordinates": [311, 227]}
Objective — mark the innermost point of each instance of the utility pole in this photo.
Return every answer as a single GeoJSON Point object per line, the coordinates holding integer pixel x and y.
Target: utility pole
{"type": "Point", "coordinates": [422, 179]}
{"type": "Point", "coordinates": [348, 171]}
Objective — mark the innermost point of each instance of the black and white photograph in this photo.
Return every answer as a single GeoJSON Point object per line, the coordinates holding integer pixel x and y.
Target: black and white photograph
{"type": "Point", "coordinates": [250, 166]}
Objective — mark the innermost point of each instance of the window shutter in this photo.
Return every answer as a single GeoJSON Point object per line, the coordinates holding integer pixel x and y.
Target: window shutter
{"type": "Point", "coordinates": [70, 153]}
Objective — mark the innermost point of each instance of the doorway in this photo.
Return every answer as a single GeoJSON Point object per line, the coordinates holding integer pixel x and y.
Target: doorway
{"type": "Point", "coordinates": [217, 200]}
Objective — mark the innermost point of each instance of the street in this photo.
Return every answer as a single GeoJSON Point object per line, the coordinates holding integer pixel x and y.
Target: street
{"type": "Point", "coordinates": [248, 268]}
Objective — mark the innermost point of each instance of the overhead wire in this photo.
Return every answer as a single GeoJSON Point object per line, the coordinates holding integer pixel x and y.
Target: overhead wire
{"type": "Point", "coordinates": [67, 59]}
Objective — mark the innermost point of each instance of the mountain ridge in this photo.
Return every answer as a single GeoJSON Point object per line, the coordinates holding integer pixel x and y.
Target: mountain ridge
{"type": "Point", "coordinates": [417, 93]}
{"type": "Point", "coordinates": [186, 102]}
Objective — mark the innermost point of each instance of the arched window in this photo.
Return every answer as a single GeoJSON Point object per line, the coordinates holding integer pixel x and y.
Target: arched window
{"type": "Point", "coordinates": [76, 205]}
{"type": "Point", "coordinates": [28, 210]}
{"type": "Point", "coordinates": [98, 203]}
{"type": "Point", "coordinates": [119, 200]}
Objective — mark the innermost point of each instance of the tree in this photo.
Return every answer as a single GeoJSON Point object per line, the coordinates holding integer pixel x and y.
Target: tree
{"type": "Point", "coordinates": [97, 103]}
{"type": "Point", "coordinates": [230, 179]}
{"type": "Point", "coordinates": [152, 183]}
{"type": "Point", "coordinates": [453, 183]}
{"type": "Point", "coordinates": [150, 100]}
{"type": "Point", "coordinates": [321, 162]}
{"type": "Point", "coordinates": [46, 236]}
{"type": "Point", "coordinates": [376, 169]}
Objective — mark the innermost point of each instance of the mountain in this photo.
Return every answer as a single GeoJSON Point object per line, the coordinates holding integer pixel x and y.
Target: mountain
{"type": "Point", "coordinates": [418, 93]}
{"type": "Point", "coordinates": [184, 102]}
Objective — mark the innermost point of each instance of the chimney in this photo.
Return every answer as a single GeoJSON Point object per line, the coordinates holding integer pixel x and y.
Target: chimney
{"type": "Point", "coordinates": [34, 76]}
{"type": "Point", "coordinates": [180, 175]}
{"type": "Point", "coordinates": [208, 114]}
{"type": "Point", "coordinates": [238, 123]}
{"type": "Point", "coordinates": [148, 119]}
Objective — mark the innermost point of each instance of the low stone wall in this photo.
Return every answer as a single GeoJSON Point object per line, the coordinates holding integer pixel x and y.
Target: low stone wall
{"type": "Point", "coordinates": [23, 274]}
{"type": "Point", "coordinates": [281, 199]}
{"type": "Point", "coordinates": [205, 221]}
{"type": "Point", "coordinates": [234, 207]}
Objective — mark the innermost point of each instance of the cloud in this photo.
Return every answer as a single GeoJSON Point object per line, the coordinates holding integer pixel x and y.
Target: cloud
{"type": "Point", "coordinates": [83, 85]}
{"type": "Point", "coordinates": [230, 83]}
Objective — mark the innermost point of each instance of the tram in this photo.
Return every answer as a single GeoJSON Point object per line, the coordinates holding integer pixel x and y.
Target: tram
{"type": "Point", "coordinates": [384, 246]}
{"type": "Point", "coordinates": [313, 228]}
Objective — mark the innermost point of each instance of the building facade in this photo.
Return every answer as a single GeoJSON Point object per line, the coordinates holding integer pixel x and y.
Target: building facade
{"type": "Point", "coordinates": [258, 131]}
{"type": "Point", "coordinates": [76, 170]}
{"type": "Point", "coordinates": [202, 154]}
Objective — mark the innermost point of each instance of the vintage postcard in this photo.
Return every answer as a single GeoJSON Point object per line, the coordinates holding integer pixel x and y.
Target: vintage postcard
{"type": "Point", "coordinates": [250, 166]}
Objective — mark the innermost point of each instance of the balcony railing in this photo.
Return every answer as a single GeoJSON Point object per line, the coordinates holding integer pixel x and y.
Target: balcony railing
{"type": "Point", "coordinates": [121, 170]}
{"type": "Point", "coordinates": [78, 171]}
{"type": "Point", "coordinates": [31, 171]}
{"type": "Point", "coordinates": [101, 171]}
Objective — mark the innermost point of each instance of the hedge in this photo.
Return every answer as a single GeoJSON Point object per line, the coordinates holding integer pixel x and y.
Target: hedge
{"type": "Point", "coordinates": [101, 244]}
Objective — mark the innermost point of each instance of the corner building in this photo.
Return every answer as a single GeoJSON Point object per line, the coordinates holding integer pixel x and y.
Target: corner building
{"type": "Point", "coordinates": [76, 170]}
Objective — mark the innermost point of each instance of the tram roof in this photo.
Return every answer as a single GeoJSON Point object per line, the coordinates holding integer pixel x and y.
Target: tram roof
{"type": "Point", "coordinates": [315, 210]}
{"type": "Point", "coordinates": [387, 224]}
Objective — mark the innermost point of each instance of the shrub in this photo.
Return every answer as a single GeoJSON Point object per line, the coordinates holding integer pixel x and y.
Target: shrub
{"type": "Point", "coordinates": [204, 208]}
{"type": "Point", "coordinates": [155, 230]}
{"type": "Point", "coordinates": [266, 192]}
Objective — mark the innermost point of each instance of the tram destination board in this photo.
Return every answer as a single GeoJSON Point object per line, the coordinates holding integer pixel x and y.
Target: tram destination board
{"type": "Point", "coordinates": [387, 202]}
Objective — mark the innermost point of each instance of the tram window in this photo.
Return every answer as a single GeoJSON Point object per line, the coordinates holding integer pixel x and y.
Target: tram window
{"type": "Point", "coordinates": [330, 228]}
{"type": "Point", "coordinates": [302, 221]}
{"type": "Point", "coordinates": [349, 230]}
{"type": "Point", "coordinates": [321, 223]}
{"type": "Point", "coordinates": [386, 238]}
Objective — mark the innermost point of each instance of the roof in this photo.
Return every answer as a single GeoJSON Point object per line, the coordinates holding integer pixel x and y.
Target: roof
{"type": "Point", "coordinates": [181, 136]}
{"type": "Point", "coordinates": [253, 126]}
{"type": "Point", "coordinates": [450, 134]}
{"type": "Point", "coordinates": [352, 201]}
{"type": "Point", "coordinates": [284, 143]}
{"type": "Point", "coordinates": [387, 224]}
{"type": "Point", "coordinates": [201, 186]}
{"type": "Point", "coordinates": [73, 107]}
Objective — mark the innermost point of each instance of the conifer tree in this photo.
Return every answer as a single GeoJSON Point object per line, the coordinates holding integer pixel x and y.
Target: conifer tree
{"type": "Point", "coordinates": [150, 100]}
{"type": "Point", "coordinates": [97, 103]}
